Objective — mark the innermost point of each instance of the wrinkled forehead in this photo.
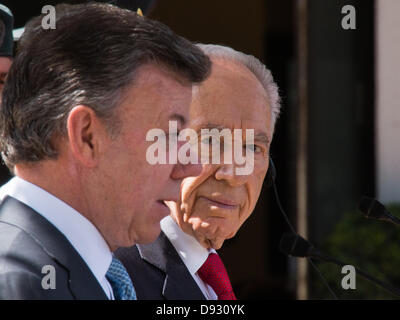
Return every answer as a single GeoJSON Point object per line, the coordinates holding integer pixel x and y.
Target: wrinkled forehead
{"type": "Point", "coordinates": [231, 97]}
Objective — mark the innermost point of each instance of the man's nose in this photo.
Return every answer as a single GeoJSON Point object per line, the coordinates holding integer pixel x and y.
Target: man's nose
{"type": "Point", "coordinates": [227, 172]}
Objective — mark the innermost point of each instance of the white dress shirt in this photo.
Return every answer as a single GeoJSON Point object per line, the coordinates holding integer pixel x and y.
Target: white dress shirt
{"type": "Point", "coordinates": [79, 231]}
{"type": "Point", "coordinates": [190, 251]}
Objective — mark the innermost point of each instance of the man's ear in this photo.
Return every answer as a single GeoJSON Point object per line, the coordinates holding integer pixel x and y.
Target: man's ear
{"type": "Point", "coordinates": [85, 131]}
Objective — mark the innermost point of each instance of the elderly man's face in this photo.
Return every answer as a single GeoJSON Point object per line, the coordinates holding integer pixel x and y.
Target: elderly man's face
{"type": "Point", "coordinates": [130, 191]}
{"type": "Point", "coordinates": [215, 204]}
{"type": "Point", "coordinates": [5, 64]}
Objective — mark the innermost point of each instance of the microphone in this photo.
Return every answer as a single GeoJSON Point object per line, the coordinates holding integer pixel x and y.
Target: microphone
{"type": "Point", "coordinates": [296, 246]}
{"type": "Point", "coordinates": [373, 209]}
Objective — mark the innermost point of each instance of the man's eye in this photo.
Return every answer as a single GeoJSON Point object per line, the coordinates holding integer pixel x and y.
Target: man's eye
{"type": "Point", "coordinates": [254, 148]}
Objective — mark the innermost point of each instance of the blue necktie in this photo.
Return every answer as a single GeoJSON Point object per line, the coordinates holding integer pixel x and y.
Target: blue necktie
{"type": "Point", "coordinates": [120, 281]}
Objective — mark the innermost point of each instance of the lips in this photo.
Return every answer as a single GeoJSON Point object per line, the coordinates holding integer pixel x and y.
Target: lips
{"type": "Point", "coordinates": [221, 202]}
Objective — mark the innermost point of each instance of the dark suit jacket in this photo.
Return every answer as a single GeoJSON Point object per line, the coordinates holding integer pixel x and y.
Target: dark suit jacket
{"type": "Point", "coordinates": [27, 243]}
{"type": "Point", "coordinates": [157, 272]}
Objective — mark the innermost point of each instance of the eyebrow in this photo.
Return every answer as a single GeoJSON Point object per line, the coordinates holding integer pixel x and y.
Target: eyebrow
{"type": "Point", "coordinates": [261, 137]}
{"type": "Point", "coordinates": [180, 118]}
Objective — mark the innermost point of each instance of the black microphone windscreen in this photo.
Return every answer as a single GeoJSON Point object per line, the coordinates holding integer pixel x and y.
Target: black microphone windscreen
{"type": "Point", "coordinates": [371, 208]}
{"type": "Point", "coordinates": [294, 245]}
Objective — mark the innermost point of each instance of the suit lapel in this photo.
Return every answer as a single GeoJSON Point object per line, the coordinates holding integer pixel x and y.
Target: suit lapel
{"type": "Point", "coordinates": [82, 282]}
{"type": "Point", "coordinates": [179, 283]}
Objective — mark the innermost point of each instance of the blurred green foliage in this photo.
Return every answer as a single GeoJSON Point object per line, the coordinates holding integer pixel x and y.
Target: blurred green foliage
{"type": "Point", "coordinates": [371, 245]}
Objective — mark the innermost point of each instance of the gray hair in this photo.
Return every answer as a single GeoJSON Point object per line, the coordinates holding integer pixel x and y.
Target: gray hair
{"type": "Point", "coordinates": [255, 66]}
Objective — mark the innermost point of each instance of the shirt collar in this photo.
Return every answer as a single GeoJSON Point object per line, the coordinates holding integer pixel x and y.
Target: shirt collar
{"type": "Point", "coordinates": [80, 232]}
{"type": "Point", "coordinates": [189, 249]}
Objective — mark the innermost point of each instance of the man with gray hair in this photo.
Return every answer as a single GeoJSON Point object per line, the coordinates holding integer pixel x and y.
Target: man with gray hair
{"type": "Point", "coordinates": [77, 104]}
{"type": "Point", "coordinates": [182, 263]}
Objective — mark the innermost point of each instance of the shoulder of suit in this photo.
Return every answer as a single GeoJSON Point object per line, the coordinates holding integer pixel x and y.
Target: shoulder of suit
{"type": "Point", "coordinates": [23, 266]}
{"type": "Point", "coordinates": [17, 245]}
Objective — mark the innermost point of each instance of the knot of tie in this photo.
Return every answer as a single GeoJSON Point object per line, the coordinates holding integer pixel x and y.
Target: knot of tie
{"type": "Point", "coordinates": [213, 273]}
{"type": "Point", "coordinates": [120, 281]}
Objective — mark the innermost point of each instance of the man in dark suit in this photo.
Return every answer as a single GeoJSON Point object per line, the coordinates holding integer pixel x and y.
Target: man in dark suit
{"type": "Point", "coordinates": [77, 106]}
{"type": "Point", "coordinates": [182, 263]}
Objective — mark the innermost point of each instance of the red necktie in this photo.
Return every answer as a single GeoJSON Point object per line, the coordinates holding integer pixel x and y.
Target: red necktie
{"type": "Point", "coordinates": [213, 273]}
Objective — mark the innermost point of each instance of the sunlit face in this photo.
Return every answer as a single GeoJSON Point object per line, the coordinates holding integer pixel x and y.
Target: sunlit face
{"type": "Point", "coordinates": [214, 204]}
{"type": "Point", "coordinates": [130, 192]}
{"type": "Point", "coordinates": [5, 64]}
